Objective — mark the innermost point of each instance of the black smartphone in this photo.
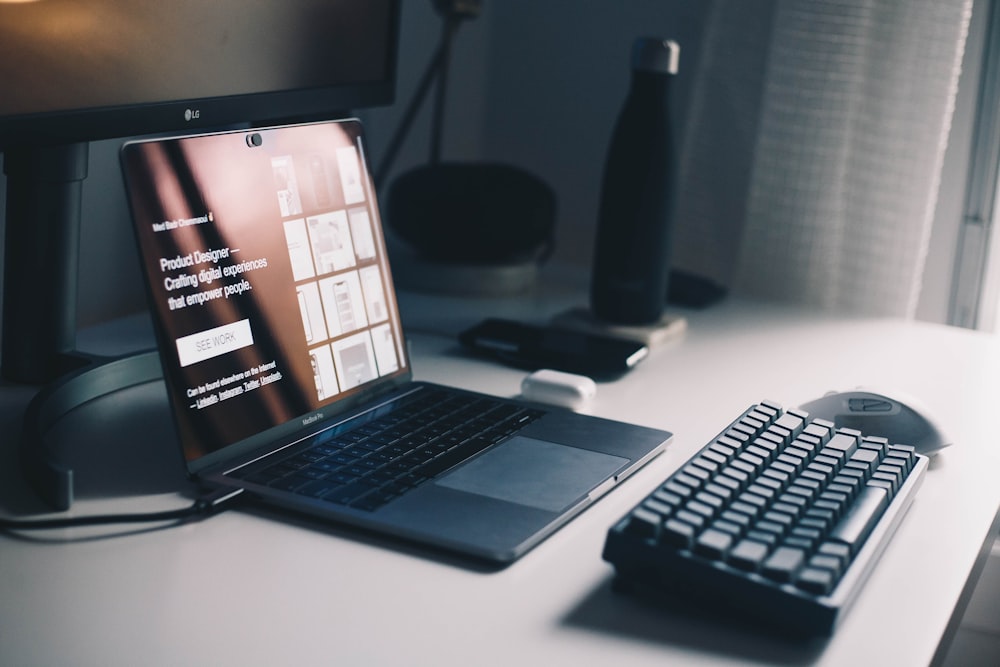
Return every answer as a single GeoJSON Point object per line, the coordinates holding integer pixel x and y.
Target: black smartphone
{"type": "Point", "coordinates": [531, 347]}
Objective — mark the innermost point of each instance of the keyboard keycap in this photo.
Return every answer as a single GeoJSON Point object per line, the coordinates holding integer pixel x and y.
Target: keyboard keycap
{"type": "Point", "coordinates": [815, 580]}
{"type": "Point", "coordinates": [344, 495]}
{"type": "Point", "coordinates": [713, 543]}
{"type": "Point", "coordinates": [860, 518]}
{"type": "Point", "coordinates": [784, 563]}
{"type": "Point", "coordinates": [678, 533]}
{"type": "Point", "coordinates": [748, 555]}
{"type": "Point", "coordinates": [644, 523]}
{"type": "Point", "coordinates": [455, 456]}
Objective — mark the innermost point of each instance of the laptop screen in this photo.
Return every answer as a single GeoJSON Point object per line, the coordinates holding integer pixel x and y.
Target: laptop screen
{"type": "Point", "coordinates": [267, 277]}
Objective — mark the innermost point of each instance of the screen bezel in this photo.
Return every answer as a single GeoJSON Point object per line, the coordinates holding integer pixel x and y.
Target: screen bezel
{"type": "Point", "coordinates": [328, 411]}
{"type": "Point", "coordinates": [199, 114]}
{"type": "Point", "coordinates": [45, 161]}
{"type": "Point", "coordinates": [276, 108]}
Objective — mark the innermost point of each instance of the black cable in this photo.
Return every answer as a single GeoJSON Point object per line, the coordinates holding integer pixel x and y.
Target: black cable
{"type": "Point", "coordinates": [453, 12]}
{"type": "Point", "coordinates": [409, 115]}
{"type": "Point", "coordinates": [448, 31]}
{"type": "Point", "coordinates": [201, 508]}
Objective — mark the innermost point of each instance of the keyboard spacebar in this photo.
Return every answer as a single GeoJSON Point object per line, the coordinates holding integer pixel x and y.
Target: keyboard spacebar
{"type": "Point", "coordinates": [454, 456]}
{"type": "Point", "coordinates": [854, 527]}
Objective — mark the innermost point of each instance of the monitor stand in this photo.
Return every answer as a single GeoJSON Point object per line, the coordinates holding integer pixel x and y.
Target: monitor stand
{"type": "Point", "coordinates": [41, 261]}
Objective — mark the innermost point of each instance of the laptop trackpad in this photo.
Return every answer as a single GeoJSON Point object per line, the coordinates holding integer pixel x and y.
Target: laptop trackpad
{"type": "Point", "coordinates": [540, 474]}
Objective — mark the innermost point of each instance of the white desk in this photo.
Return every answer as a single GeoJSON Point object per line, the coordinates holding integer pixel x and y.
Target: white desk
{"type": "Point", "coordinates": [249, 589]}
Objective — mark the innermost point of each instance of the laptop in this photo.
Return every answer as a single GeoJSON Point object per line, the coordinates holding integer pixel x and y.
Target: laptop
{"type": "Point", "coordinates": [286, 364]}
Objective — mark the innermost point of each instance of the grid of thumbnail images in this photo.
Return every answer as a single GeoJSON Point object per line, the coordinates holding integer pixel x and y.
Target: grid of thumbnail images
{"type": "Point", "coordinates": [338, 279]}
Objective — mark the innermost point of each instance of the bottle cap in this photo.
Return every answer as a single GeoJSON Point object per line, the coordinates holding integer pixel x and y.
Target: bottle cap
{"type": "Point", "coordinates": [656, 55]}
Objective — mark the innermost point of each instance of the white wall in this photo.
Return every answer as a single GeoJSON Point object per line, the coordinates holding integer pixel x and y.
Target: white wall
{"type": "Point", "coordinates": [538, 85]}
{"type": "Point", "coordinates": [535, 84]}
{"type": "Point", "coordinates": [468, 80]}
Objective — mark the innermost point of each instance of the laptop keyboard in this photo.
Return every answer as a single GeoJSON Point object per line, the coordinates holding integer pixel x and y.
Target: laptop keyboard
{"type": "Point", "coordinates": [379, 460]}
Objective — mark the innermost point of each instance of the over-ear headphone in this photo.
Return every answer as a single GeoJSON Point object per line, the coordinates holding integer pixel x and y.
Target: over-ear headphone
{"type": "Point", "coordinates": [473, 213]}
{"type": "Point", "coordinates": [51, 480]}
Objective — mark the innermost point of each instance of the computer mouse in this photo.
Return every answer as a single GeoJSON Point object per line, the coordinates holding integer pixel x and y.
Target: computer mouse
{"type": "Point", "coordinates": [902, 420]}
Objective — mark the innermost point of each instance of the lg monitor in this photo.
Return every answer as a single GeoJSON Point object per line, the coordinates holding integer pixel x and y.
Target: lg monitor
{"type": "Point", "coordinates": [76, 71]}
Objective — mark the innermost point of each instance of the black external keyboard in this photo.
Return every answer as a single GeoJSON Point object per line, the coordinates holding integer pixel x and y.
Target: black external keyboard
{"type": "Point", "coordinates": [780, 518]}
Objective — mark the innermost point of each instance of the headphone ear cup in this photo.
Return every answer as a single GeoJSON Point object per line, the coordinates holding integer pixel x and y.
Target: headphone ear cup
{"type": "Point", "coordinates": [473, 213]}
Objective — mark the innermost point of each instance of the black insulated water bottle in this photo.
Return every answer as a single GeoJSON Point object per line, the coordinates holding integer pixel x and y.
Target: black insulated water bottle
{"type": "Point", "coordinates": [632, 251]}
